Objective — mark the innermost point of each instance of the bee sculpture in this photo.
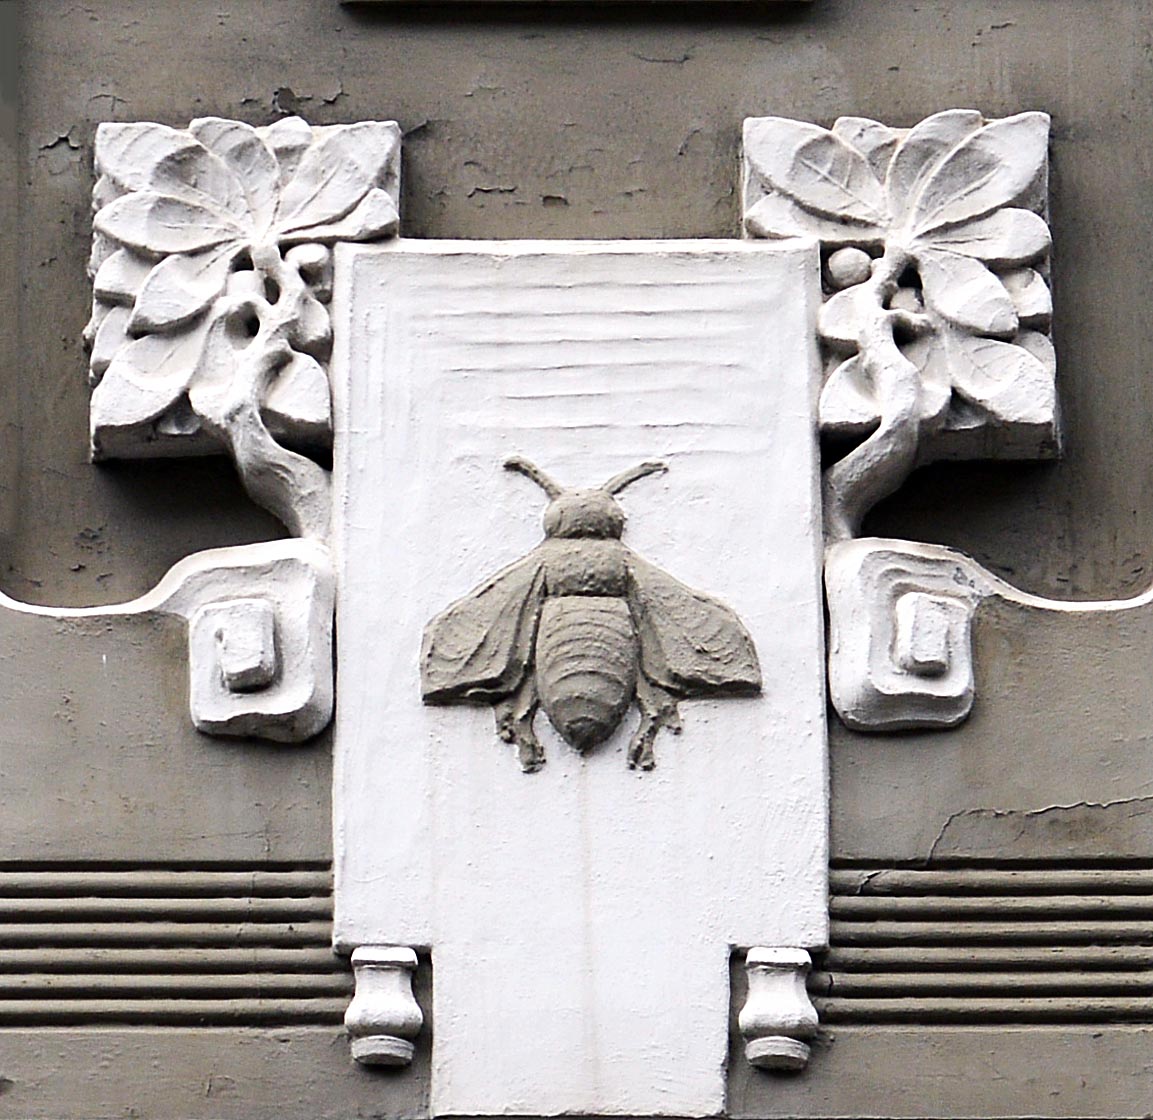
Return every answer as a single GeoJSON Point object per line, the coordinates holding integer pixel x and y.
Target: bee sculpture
{"type": "Point", "coordinates": [582, 626]}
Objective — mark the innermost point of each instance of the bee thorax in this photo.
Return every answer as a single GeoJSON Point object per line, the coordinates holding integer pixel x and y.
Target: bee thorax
{"type": "Point", "coordinates": [586, 665]}
{"type": "Point", "coordinates": [587, 567]}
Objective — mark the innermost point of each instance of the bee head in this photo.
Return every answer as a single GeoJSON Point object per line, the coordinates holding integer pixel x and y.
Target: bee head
{"type": "Point", "coordinates": [594, 514]}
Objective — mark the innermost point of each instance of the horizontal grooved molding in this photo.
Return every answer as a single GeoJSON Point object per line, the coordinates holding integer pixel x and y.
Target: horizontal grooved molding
{"type": "Point", "coordinates": [981, 945]}
{"type": "Point", "coordinates": [168, 946]}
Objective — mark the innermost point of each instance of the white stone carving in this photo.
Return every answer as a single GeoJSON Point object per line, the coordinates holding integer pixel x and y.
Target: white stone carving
{"type": "Point", "coordinates": [259, 638]}
{"type": "Point", "coordinates": [935, 332]}
{"type": "Point", "coordinates": [778, 1019]}
{"type": "Point", "coordinates": [900, 641]}
{"type": "Point", "coordinates": [936, 324]}
{"type": "Point", "coordinates": [580, 919]}
{"type": "Point", "coordinates": [383, 1017]}
{"type": "Point", "coordinates": [901, 618]}
{"type": "Point", "coordinates": [259, 635]}
{"type": "Point", "coordinates": [211, 273]}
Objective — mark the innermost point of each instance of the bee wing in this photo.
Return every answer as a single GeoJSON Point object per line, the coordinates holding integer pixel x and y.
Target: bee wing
{"type": "Point", "coordinates": [690, 643]}
{"type": "Point", "coordinates": [481, 646]}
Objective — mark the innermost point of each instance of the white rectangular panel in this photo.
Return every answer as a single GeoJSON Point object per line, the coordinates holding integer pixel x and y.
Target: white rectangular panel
{"type": "Point", "coordinates": [580, 918]}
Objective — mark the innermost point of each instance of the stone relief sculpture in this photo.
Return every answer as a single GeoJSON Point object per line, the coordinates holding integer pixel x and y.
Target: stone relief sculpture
{"type": "Point", "coordinates": [582, 626]}
{"type": "Point", "coordinates": [210, 330]}
{"type": "Point", "coordinates": [935, 335]}
{"type": "Point", "coordinates": [211, 270]}
{"type": "Point", "coordinates": [936, 329]}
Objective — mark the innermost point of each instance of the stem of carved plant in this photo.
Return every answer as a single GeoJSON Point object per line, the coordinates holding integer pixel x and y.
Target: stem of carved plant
{"type": "Point", "coordinates": [876, 468]}
{"type": "Point", "coordinates": [290, 486]}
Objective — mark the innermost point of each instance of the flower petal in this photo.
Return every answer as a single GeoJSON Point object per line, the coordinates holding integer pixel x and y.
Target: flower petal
{"type": "Point", "coordinates": [777, 215]}
{"type": "Point", "coordinates": [966, 293]}
{"type": "Point", "coordinates": [239, 147]}
{"type": "Point", "coordinates": [336, 173]}
{"type": "Point", "coordinates": [156, 224]}
{"type": "Point", "coordinates": [993, 167]}
{"type": "Point", "coordinates": [814, 167]}
{"type": "Point", "coordinates": [374, 216]}
{"type": "Point", "coordinates": [1007, 236]}
{"type": "Point", "coordinates": [921, 153]}
{"type": "Point", "coordinates": [181, 286]}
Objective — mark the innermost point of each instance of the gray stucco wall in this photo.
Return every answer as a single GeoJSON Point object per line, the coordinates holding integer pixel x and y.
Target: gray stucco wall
{"type": "Point", "coordinates": [557, 120]}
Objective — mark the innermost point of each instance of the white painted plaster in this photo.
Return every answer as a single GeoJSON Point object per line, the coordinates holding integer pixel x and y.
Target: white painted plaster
{"type": "Point", "coordinates": [580, 919]}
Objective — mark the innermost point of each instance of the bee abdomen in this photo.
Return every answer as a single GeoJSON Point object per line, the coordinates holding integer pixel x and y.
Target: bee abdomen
{"type": "Point", "coordinates": [586, 665]}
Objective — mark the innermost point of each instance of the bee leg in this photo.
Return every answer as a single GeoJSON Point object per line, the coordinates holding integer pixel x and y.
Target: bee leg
{"type": "Point", "coordinates": [658, 709]}
{"type": "Point", "coordinates": [514, 716]}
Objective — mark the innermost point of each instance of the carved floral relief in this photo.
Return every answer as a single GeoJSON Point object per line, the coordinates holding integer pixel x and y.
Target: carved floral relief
{"type": "Point", "coordinates": [935, 329]}
{"type": "Point", "coordinates": [211, 271]}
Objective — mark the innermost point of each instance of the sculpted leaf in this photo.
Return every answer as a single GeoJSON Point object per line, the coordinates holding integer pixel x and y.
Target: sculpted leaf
{"type": "Point", "coordinates": [110, 336]}
{"type": "Point", "coordinates": [241, 149]}
{"type": "Point", "coordinates": [201, 178]}
{"type": "Point", "coordinates": [777, 215]}
{"type": "Point", "coordinates": [1005, 380]}
{"type": "Point", "coordinates": [145, 377]}
{"type": "Point", "coordinates": [875, 141]}
{"type": "Point", "coordinates": [1041, 347]}
{"type": "Point", "coordinates": [848, 405]}
{"type": "Point", "coordinates": [922, 152]}
{"type": "Point", "coordinates": [312, 331]}
{"type": "Point", "coordinates": [181, 286]}
{"type": "Point", "coordinates": [991, 168]}
{"type": "Point", "coordinates": [936, 389]}
{"type": "Point", "coordinates": [335, 174]}
{"type": "Point", "coordinates": [288, 139]}
{"type": "Point", "coordinates": [374, 216]}
{"type": "Point", "coordinates": [966, 293]}
{"type": "Point", "coordinates": [1031, 297]}
{"type": "Point", "coordinates": [1007, 236]}
{"type": "Point", "coordinates": [841, 317]}
{"type": "Point", "coordinates": [120, 277]}
{"type": "Point", "coordinates": [814, 167]}
{"type": "Point", "coordinates": [300, 395]}
{"type": "Point", "coordinates": [156, 224]}
{"type": "Point", "coordinates": [130, 153]}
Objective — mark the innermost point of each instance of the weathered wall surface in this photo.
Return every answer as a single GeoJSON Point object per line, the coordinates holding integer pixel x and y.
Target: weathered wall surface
{"type": "Point", "coordinates": [579, 122]}
{"type": "Point", "coordinates": [551, 121]}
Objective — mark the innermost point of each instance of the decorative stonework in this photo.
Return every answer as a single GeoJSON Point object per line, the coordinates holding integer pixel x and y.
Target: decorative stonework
{"type": "Point", "coordinates": [211, 274]}
{"type": "Point", "coordinates": [383, 1018]}
{"type": "Point", "coordinates": [900, 633]}
{"type": "Point", "coordinates": [582, 627]}
{"type": "Point", "coordinates": [778, 1020]}
{"type": "Point", "coordinates": [259, 621]}
{"type": "Point", "coordinates": [534, 896]}
{"type": "Point", "coordinates": [935, 327]}
{"type": "Point", "coordinates": [935, 337]}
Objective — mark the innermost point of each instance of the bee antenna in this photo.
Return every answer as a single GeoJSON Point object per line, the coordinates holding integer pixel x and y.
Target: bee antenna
{"type": "Point", "coordinates": [619, 481]}
{"type": "Point", "coordinates": [531, 470]}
